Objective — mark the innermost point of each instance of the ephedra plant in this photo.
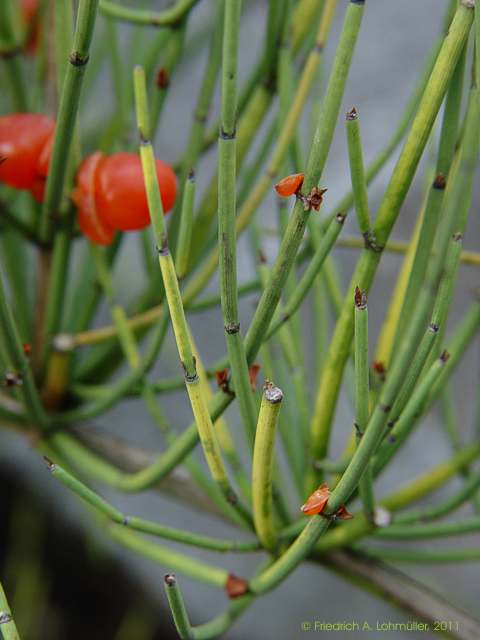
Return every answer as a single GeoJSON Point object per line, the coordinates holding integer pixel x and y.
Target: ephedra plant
{"type": "Point", "coordinates": [67, 189]}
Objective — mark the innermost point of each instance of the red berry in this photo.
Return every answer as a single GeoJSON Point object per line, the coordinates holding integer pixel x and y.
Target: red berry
{"type": "Point", "coordinates": [121, 198]}
{"type": "Point", "coordinates": [84, 197]}
{"type": "Point", "coordinates": [290, 185]}
{"type": "Point", "coordinates": [23, 136]}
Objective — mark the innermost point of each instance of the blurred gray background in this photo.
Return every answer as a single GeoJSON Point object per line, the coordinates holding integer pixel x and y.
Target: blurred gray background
{"type": "Point", "coordinates": [394, 41]}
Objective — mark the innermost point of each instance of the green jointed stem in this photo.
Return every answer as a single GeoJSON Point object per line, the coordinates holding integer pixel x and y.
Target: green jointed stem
{"type": "Point", "coordinates": [362, 394]}
{"type": "Point", "coordinates": [424, 556]}
{"type": "Point", "coordinates": [188, 439]}
{"type": "Point", "coordinates": [86, 494]}
{"type": "Point", "coordinates": [347, 201]}
{"type": "Point", "coordinates": [421, 486]}
{"type": "Point", "coordinates": [404, 425]}
{"type": "Point", "coordinates": [169, 17]}
{"type": "Point", "coordinates": [177, 606]}
{"type": "Point", "coordinates": [167, 557]}
{"type": "Point", "coordinates": [67, 113]}
{"type": "Point", "coordinates": [262, 469]}
{"type": "Point", "coordinates": [172, 292]}
{"type": "Point", "coordinates": [18, 363]}
{"type": "Point", "coordinates": [141, 525]}
{"type": "Point", "coordinates": [389, 209]}
{"type": "Point", "coordinates": [469, 489]}
{"type": "Point", "coordinates": [448, 140]}
{"type": "Point", "coordinates": [308, 278]}
{"type": "Point", "coordinates": [8, 629]}
{"type": "Point", "coordinates": [248, 125]}
{"type": "Point", "coordinates": [133, 357]}
{"type": "Point", "coordinates": [316, 162]}
{"type": "Point", "coordinates": [432, 530]}
{"type": "Point", "coordinates": [213, 629]}
{"type": "Point", "coordinates": [350, 479]}
{"type": "Point", "coordinates": [186, 223]}
{"type": "Point", "coordinates": [226, 219]}
{"type": "Point", "coordinates": [357, 173]}
{"type": "Point", "coordinates": [200, 116]}
{"type": "Point", "coordinates": [279, 154]}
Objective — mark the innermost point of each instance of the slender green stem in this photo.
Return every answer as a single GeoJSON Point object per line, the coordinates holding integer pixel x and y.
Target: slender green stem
{"type": "Point", "coordinates": [262, 469]}
{"type": "Point", "coordinates": [226, 219]}
{"type": "Point", "coordinates": [186, 226]}
{"type": "Point", "coordinates": [167, 557]}
{"type": "Point", "coordinates": [424, 556]}
{"type": "Point", "coordinates": [448, 139]}
{"type": "Point", "coordinates": [389, 209]}
{"type": "Point", "coordinates": [469, 488]}
{"type": "Point", "coordinates": [200, 116]}
{"type": "Point", "coordinates": [8, 629]}
{"type": "Point", "coordinates": [18, 363]}
{"type": "Point", "coordinates": [142, 525]}
{"type": "Point", "coordinates": [67, 113]}
{"type": "Point", "coordinates": [307, 280]}
{"type": "Point", "coordinates": [199, 407]}
{"type": "Point", "coordinates": [362, 389]}
{"type": "Point", "coordinates": [177, 606]}
{"type": "Point", "coordinates": [357, 173]}
{"type": "Point", "coordinates": [431, 530]}
{"type": "Point", "coordinates": [282, 146]}
{"type": "Point", "coordinates": [318, 155]}
{"type": "Point", "coordinates": [170, 17]}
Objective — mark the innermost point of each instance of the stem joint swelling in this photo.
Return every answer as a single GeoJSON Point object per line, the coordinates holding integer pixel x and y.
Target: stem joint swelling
{"type": "Point", "coordinates": [225, 135]}
{"type": "Point", "coordinates": [232, 328]}
{"type": "Point", "coordinates": [77, 60]}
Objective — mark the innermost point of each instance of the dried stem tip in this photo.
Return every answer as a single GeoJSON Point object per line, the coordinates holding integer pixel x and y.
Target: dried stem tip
{"type": "Point", "coordinates": [235, 587]}
{"type": "Point", "coordinates": [360, 299]}
{"type": "Point", "coordinates": [170, 579]}
{"type": "Point", "coordinates": [352, 114]}
{"type": "Point", "coordinates": [444, 356]}
{"type": "Point", "coordinates": [49, 463]}
{"type": "Point", "coordinates": [272, 393]}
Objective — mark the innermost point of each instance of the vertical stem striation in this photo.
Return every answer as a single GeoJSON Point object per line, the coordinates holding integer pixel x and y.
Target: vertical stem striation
{"type": "Point", "coordinates": [172, 292]}
{"type": "Point", "coordinates": [226, 218]}
{"type": "Point", "coordinates": [388, 212]}
{"type": "Point", "coordinates": [262, 470]}
{"type": "Point", "coordinates": [362, 389]}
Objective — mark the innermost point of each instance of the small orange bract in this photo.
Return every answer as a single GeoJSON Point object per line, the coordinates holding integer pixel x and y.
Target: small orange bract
{"type": "Point", "coordinates": [290, 185]}
{"type": "Point", "coordinates": [317, 502]}
{"type": "Point", "coordinates": [252, 374]}
{"type": "Point", "coordinates": [342, 514]}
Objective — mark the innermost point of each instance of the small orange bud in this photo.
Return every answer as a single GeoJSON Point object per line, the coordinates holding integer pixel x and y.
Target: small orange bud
{"type": "Point", "coordinates": [342, 514]}
{"type": "Point", "coordinates": [222, 379]}
{"type": "Point", "coordinates": [290, 185]}
{"type": "Point", "coordinates": [235, 587]}
{"type": "Point", "coordinates": [253, 373]}
{"type": "Point", "coordinates": [317, 502]}
{"type": "Point", "coordinates": [27, 348]}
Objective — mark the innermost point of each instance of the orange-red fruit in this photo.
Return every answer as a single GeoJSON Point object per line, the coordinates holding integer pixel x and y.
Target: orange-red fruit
{"type": "Point", "coordinates": [317, 502]}
{"type": "Point", "coordinates": [121, 197]}
{"type": "Point", "coordinates": [83, 196]}
{"type": "Point", "coordinates": [23, 139]}
{"type": "Point", "coordinates": [290, 185]}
